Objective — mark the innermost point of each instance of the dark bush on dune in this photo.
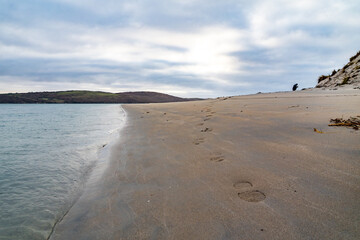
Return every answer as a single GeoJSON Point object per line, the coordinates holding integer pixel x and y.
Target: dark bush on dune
{"type": "Point", "coordinates": [322, 78]}
{"type": "Point", "coordinates": [355, 56]}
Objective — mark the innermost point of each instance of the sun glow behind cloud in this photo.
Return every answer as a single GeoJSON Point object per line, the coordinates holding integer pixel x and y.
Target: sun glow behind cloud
{"type": "Point", "coordinates": [188, 48]}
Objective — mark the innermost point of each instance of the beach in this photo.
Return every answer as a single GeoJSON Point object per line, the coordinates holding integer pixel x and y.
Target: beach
{"type": "Point", "coordinates": [242, 167]}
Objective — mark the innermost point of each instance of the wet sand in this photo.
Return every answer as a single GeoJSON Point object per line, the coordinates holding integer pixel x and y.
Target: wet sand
{"type": "Point", "coordinates": [247, 167]}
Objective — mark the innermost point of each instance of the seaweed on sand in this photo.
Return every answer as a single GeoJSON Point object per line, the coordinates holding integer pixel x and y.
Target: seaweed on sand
{"type": "Point", "coordinates": [353, 122]}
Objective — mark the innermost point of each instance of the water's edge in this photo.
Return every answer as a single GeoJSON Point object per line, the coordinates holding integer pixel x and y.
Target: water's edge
{"type": "Point", "coordinates": [96, 171]}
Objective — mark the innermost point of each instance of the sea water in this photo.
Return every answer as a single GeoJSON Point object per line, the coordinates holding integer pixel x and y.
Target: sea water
{"type": "Point", "coordinates": [47, 151]}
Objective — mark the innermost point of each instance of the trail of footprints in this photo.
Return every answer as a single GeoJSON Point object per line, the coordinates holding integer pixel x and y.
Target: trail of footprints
{"type": "Point", "coordinates": [245, 189]}
{"type": "Point", "coordinates": [207, 117]}
{"type": "Point", "coordinates": [217, 156]}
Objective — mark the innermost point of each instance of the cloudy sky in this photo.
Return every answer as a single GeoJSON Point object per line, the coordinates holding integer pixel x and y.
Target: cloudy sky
{"type": "Point", "coordinates": [189, 48]}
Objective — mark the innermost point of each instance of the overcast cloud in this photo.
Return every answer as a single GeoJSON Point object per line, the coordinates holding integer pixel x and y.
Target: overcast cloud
{"type": "Point", "coordinates": [189, 48]}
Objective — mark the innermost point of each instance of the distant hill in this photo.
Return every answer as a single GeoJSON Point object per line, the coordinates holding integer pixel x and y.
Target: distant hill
{"type": "Point", "coordinates": [89, 97]}
{"type": "Point", "coordinates": [348, 75]}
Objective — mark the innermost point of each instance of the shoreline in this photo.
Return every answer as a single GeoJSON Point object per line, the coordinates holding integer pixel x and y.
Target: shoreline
{"type": "Point", "coordinates": [95, 172]}
{"type": "Point", "coordinates": [245, 166]}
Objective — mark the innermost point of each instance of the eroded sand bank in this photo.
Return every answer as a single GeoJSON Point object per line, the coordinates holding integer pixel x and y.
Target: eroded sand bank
{"type": "Point", "coordinates": [248, 167]}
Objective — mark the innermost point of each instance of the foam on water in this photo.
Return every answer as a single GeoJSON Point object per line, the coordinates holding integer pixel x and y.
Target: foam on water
{"type": "Point", "coordinates": [46, 155]}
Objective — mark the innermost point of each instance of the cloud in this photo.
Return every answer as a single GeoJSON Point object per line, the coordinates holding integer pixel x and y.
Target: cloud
{"type": "Point", "coordinates": [202, 53]}
{"type": "Point", "coordinates": [299, 22]}
{"type": "Point", "coordinates": [200, 47]}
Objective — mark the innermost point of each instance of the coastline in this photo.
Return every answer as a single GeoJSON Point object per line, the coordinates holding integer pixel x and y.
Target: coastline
{"type": "Point", "coordinates": [248, 167]}
{"type": "Point", "coordinates": [97, 169]}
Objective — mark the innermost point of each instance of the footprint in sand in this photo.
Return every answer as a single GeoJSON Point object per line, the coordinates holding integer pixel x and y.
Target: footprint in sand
{"type": "Point", "coordinates": [243, 185]}
{"type": "Point", "coordinates": [247, 193]}
{"type": "Point", "coordinates": [217, 157]}
{"type": "Point", "coordinates": [252, 196]}
{"type": "Point", "coordinates": [206, 119]}
{"type": "Point", "coordinates": [198, 141]}
{"type": "Point", "coordinates": [206, 130]}
{"type": "Point", "coordinates": [200, 124]}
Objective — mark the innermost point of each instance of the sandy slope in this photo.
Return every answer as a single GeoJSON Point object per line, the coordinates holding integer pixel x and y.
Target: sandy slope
{"type": "Point", "coordinates": [248, 167]}
{"type": "Point", "coordinates": [348, 76]}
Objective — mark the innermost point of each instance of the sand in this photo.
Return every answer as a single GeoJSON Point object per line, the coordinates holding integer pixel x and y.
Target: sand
{"type": "Point", "coordinates": [247, 167]}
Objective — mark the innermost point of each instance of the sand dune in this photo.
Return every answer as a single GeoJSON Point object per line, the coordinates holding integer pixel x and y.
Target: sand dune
{"type": "Point", "coordinates": [247, 167]}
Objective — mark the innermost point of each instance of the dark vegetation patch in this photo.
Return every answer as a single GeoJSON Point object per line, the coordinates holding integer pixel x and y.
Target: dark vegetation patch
{"type": "Point", "coordinates": [345, 80]}
{"type": "Point", "coordinates": [355, 56]}
{"type": "Point", "coordinates": [89, 97]}
{"type": "Point", "coordinates": [322, 78]}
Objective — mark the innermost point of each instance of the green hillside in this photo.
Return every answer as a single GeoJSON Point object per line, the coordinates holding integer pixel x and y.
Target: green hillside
{"type": "Point", "coordinates": [89, 97]}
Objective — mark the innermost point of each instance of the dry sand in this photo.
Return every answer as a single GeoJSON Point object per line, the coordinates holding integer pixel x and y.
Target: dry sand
{"type": "Point", "coordinates": [247, 167]}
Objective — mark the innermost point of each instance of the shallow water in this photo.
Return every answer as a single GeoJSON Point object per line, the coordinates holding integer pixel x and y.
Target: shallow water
{"type": "Point", "coordinates": [46, 155]}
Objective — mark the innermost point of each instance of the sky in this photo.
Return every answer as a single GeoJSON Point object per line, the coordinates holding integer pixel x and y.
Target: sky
{"type": "Point", "coordinates": [187, 48]}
